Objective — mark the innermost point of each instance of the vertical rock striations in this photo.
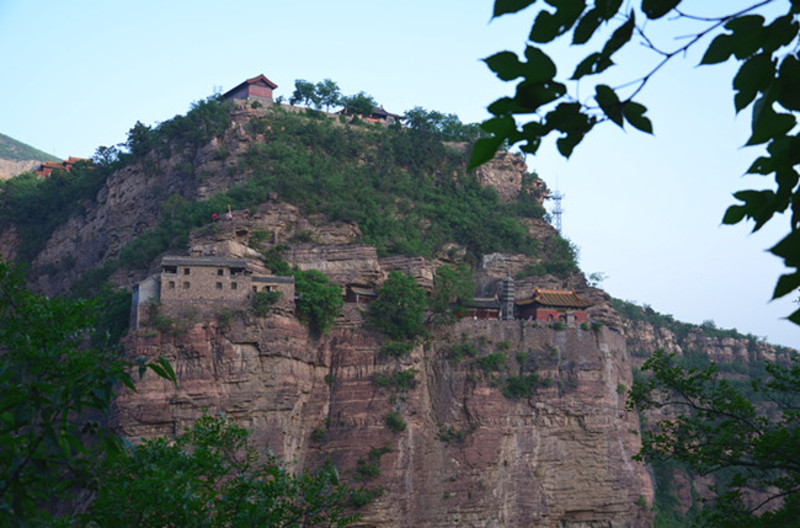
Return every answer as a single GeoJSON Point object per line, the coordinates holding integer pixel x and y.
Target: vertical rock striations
{"type": "Point", "coordinates": [558, 454]}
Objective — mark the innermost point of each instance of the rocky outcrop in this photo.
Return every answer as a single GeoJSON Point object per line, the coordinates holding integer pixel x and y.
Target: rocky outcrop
{"type": "Point", "coordinates": [507, 174]}
{"type": "Point", "coordinates": [343, 264]}
{"type": "Point", "coordinates": [10, 168]}
{"type": "Point", "coordinates": [9, 241]}
{"type": "Point", "coordinates": [467, 455]}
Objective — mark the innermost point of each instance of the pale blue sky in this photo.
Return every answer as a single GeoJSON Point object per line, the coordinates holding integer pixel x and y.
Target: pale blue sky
{"type": "Point", "coordinates": [643, 209]}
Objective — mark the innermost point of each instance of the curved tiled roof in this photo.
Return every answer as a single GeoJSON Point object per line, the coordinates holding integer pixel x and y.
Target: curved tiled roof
{"type": "Point", "coordinates": [556, 298]}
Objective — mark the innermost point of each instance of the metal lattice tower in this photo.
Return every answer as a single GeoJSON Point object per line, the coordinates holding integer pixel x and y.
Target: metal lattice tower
{"type": "Point", "coordinates": [557, 210]}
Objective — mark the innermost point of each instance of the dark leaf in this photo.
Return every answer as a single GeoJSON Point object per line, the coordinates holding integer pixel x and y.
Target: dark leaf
{"type": "Point", "coordinates": [786, 178]}
{"type": "Point", "coordinates": [484, 150]}
{"type": "Point", "coordinates": [719, 50]}
{"type": "Point", "coordinates": [788, 248]}
{"type": "Point", "coordinates": [548, 26]}
{"type": "Point", "coordinates": [165, 364]}
{"type": "Point", "coordinates": [789, 83]}
{"type": "Point", "coordinates": [586, 27]}
{"type": "Point", "coordinates": [748, 35]}
{"type": "Point", "coordinates": [159, 370]}
{"type": "Point", "coordinates": [754, 76]}
{"type": "Point", "coordinates": [533, 132]}
{"type": "Point", "coordinates": [530, 96]}
{"type": "Point", "coordinates": [504, 105]}
{"type": "Point", "coordinates": [787, 284]}
{"type": "Point", "coordinates": [503, 7]}
{"type": "Point", "coordinates": [505, 65]}
{"type": "Point", "coordinates": [781, 32]}
{"type": "Point", "coordinates": [609, 102]}
{"type": "Point", "coordinates": [568, 118]}
{"type": "Point", "coordinates": [762, 165]}
{"type": "Point", "coordinates": [594, 63]}
{"type": "Point", "coordinates": [795, 317]}
{"type": "Point", "coordinates": [758, 205]}
{"type": "Point", "coordinates": [634, 114]}
{"type": "Point", "coordinates": [540, 67]}
{"type": "Point", "coordinates": [734, 214]}
{"type": "Point", "coordinates": [620, 36]}
{"type": "Point", "coordinates": [655, 9]}
{"type": "Point", "coordinates": [767, 124]}
{"type": "Point", "coordinates": [606, 9]}
{"type": "Point", "coordinates": [502, 126]}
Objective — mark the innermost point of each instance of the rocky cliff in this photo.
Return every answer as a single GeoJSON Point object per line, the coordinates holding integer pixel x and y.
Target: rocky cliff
{"type": "Point", "coordinates": [10, 168]}
{"type": "Point", "coordinates": [465, 455]}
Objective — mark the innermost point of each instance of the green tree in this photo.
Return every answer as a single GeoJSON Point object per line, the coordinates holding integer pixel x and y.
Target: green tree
{"type": "Point", "coordinates": [717, 430]}
{"type": "Point", "coordinates": [54, 390]}
{"type": "Point", "coordinates": [210, 477]}
{"type": "Point", "coordinates": [328, 93]}
{"type": "Point", "coordinates": [140, 139]}
{"type": "Point", "coordinates": [358, 104]}
{"type": "Point", "coordinates": [398, 311]}
{"type": "Point", "coordinates": [767, 80]}
{"type": "Point", "coordinates": [451, 285]}
{"type": "Point", "coordinates": [304, 93]}
{"type": "Point", "coordinates": [319, 300]}
{"type": "Point", "coordinates": [448, 126]}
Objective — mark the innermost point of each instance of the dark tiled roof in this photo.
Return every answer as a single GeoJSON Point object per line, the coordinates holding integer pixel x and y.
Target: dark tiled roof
{"type": "Point", "coordinates": [274, 279]}
{"type": "Point", "coordinates": [367, 292]}
{"type": "Point", "coordinates": [216, 262]}
{"type": "Point", "coordinates": [478, 302]}
{"type": "Point", "coordinates": [254, 80]}
{"type": "Point", "coordinates": [556, 298]}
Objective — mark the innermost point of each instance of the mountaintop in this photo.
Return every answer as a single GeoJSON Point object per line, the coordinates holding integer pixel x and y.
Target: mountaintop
{"type": "Point", "coordinates": [17, 157]}
{"type": "Point", "coordinates": [477, 420]}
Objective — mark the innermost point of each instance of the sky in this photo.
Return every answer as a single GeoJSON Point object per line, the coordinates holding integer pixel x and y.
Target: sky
{"type": "Point", "coordinates": [644, 210]}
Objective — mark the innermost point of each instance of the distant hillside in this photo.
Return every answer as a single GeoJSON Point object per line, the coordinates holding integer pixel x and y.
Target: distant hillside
{"type": "Point", "coordinates": [17, 157]}
{"type": "Point", "coordinates": [13, 150]}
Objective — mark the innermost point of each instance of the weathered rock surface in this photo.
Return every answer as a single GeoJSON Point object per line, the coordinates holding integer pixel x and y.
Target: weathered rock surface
{"type": "Point", "coordinates": [505, 173]}
{"type": "Point", "coordinates": [10, 168]}
{"type": "Point", "coordinates": [468, 456]}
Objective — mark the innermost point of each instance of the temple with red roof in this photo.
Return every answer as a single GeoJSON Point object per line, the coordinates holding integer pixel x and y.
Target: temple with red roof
{"type": "Point", "coordinates": [554, 306]}
{"type": "Point", "coordinates": [47, 167]}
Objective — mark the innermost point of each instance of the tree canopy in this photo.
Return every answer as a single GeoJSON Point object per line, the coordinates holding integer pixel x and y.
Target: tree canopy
{"type": "Point", "coordinates": [398, 311]}
{"type": "Point", "coordinates": [319, 300]}
{"type": "Point", "coordinates": [767, 82]}
{"type": "Point", "coordinates": [54, 389]}
{"type": "Point", "coordinates": [751, 444]}
{"type": "Point", "coordinates": [210, 477]}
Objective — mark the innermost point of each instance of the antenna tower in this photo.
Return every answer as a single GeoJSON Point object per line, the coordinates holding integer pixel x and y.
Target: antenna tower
{"type": "Point", "coordinates": [557, 210]}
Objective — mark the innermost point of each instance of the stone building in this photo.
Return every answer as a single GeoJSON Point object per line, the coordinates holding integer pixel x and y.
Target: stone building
{"type": "Point", "coordinates": [255, 89]}
{"type": "Point", "coordinates": [203, 286]}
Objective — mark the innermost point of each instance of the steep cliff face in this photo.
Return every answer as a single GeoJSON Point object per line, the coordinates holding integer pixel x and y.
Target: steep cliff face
{"type": "Point", "coordinates": [10, 168]}
{"type": "Point", "coordinates": [468, 455]}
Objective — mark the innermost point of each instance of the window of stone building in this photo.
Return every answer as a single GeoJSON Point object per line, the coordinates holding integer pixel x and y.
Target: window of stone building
{"type": "Point", "coordinates": [171, 285]}
{"type": "Point", "coordinates": [219, 285]}
{"type": "Point", "coordinates": [233, 285]}
{"type": "Point", "coordinates": [220, 272]}
{"type": "Point", "coordinates": [255, 289]}
{"type": "Point", "coordinates": [170, 269]}
{"type": "Point", "coordinates": [185, 271]}
{"type": "Point", "coordinates": [185, 285]}
{"type": "Point", "coordinates": [267, 288]}
{"type": "Point", "coordinates": [236, 271]}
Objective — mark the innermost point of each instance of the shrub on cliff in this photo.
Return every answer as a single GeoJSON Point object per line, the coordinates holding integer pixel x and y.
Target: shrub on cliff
{"type": "Point", "coordinates": [263, 302]}
{"type": "Point", "coordinates": [319, 300]}
{"type": "Point", "coordinates": [398, 311]}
